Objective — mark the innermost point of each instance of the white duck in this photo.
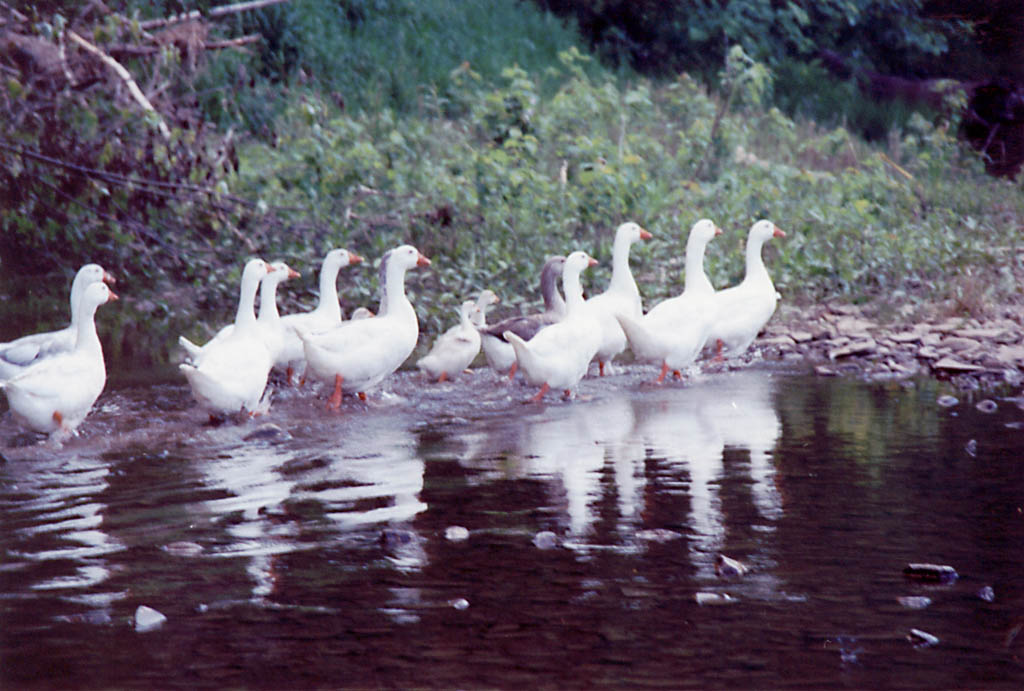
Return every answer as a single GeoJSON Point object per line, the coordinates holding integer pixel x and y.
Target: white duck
{"type": "Point", "coordinates": [621, 298]}
{"type": "Point", "coordinates": [357, 355]}
{"type": "Point", "coordinates": [673, 333]}
{"type": "Point", "coordinates": [499, 353]}
{"type": "Point", "coordinates": [21, 353]}
{"type": "Point", "coordinates": [744, 309]}
{"type": "Point", "coordinates": [326, 315]}
{"type": "Point", "coordinates": [455, 349]}
{"type": "Point", "coordinates": [268, 319]}
{"type": "Point", "coordinates": [558, 356]}
{"type": "Point", "coordinates": [55, 394]}
{"type": "Point", "coordinates": [231, 374]}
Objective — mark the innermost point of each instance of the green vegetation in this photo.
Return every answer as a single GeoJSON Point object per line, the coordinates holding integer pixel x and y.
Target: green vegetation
{"type": "Point", "coordinates": [483, 134]}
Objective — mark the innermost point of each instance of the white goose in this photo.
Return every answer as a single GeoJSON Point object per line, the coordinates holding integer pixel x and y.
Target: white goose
{"type": "Point", "coordinates": [673, 333]}
{"type": "Point", "coordinates": [455, 349]}
{"type": "Point", "coordinates": [499, 353]}
{"type": "Point", "coordinates": [558, 356]}
{"type": "Point", "coordinates": [268, 319]}
{"type": "Point", "coordinates": [55, 394]}
{"type": "Point", "coordinates": [231, 374]}
{"type": "Point", "coordinates": [621, 298]}
{"type": "Point", "coordinates": [326, 315]}
{"type": "Point", "coordinates": [745, 308]}
{"type": "Point", "coordinates": [357, 355]}
{"type": "Point", "coordinates": [21, 353]}
{"type": "Point", "coordinates": [484, 302]}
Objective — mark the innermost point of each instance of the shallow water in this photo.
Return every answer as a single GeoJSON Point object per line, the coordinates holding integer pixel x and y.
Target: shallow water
{"type": "Point", "coordinates": [328, 551]}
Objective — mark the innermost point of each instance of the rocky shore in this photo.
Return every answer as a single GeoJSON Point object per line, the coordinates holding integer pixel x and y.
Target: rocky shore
{"type": "Point", "coordinates": [838, 339]}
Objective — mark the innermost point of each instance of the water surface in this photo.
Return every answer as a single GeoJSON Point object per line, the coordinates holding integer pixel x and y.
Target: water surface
{"type": "Point", "coordinates": [329, 550]}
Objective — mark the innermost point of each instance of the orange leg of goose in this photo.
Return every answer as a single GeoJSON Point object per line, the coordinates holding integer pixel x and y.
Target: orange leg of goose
{"type": "Point", "coordinates": [290, 373]}
{"type": "Point", "coordinates": [718, 351]}
{"type": "Point", "coordinates": [362, 396]}
{"type": "Point", "coordinates": [664, 371]}
{"type": "Point", "coordinates": [512, 370]}
{"type": "Point", "coordinates": [334, 402]}
{"type": "Point", "coordinates": [443, 377]}
{"type": "Point", "coordinates": [540, 394]}
{"type": "Point", "coordinates": [600, 368]}
{"type": "Point", "coordinates": [677, 374]}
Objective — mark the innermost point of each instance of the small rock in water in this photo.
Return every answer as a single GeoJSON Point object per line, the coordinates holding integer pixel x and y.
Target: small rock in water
{"type": "Point", "coordinates": [987, 406]}
{"type": "Point", "coordinates": [972, 448]}
{"type": "Point", "coordinates": [658, 535]}
{"type": "Point", "coordinates": [184, 549]}
{"type": "Point", "coordinates": [914, 601]}
{"type": "Point", "coordinates": [987, 594]}
{"type": "Point", "coordinates": [947, 401]}
{"type": "Point", "coordinates": [922, 638]}
{"type": "Point", "coordinates": [393, 537]}
{"type": "Point", "coordinates": [147, 619]}
{"type": "Point", "coordinates": [714, 599]}
{"type": "Point", "coordinates": [545, 539]}
{"type": "Point", "coordinates": [729, 568]}
{"type": "Point", "coordinates": [456, 533]}
{"type": "Point", "coordinates": [459, 603]}
{"type": "Point", "coordinates": [938, 573]}
{"type": "Point", "coordinates": [268, 432]}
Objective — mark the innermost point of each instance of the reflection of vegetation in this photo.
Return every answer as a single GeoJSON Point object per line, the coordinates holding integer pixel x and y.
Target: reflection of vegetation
{"type": "Point", "coordinates": [872, 425]}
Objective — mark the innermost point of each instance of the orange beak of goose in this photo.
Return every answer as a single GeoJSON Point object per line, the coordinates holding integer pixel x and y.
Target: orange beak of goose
{"type": "Point", "coordinates": [292, 273]}
{"type": "Point", "coordinates": [109, 278]}
{"type": "Point", "coordinates": [779, 233]}
{"type": "Point", "coordinates": [718, 231]}
{"type": "Point", "coordinates": [354, 258]}
{"type": "Point", "coordinates": [113, 296]}
{"type": "Point", "coordinates": [592, 262]}
{"type": "Point", "coordinates": [645, 234]}
{"type": "Point", "coordinates": [422, 261]}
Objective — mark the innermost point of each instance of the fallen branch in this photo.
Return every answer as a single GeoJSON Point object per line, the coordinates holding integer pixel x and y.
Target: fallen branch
{"type": "Point", "coordinates": [131, 50]}
{"type": "Point", "coordinates": [126, 77]}
{"type": "Point", "coordinates": [214, 13]}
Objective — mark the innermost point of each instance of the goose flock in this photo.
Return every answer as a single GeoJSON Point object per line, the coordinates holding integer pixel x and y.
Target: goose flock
{"type": "Point", "coordinates": [52, 379]}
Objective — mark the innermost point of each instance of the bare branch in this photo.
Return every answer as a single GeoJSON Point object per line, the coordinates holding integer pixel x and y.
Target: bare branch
{"type": "Point", "coordinates": [214, 13]}
{"type": "Point", "coordinates": [126, 77]}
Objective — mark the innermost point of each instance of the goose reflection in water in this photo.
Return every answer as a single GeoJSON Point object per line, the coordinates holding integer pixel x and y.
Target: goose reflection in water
{"type": "Point", "coordinates": [54, 510]}
{"type": "Point", "coordinates": [370, 480]}
{"type": "Point", "coordinates": [691, 428]}
{"type": "Point", "coordinates": [674, 437]}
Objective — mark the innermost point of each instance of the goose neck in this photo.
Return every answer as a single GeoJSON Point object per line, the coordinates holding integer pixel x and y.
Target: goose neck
{"type": "Point", "coordinates": [696, 279]}
{"type": "Point", "coordinates": [246, 315]}
{"type": "Point", "coordinates": [755, 265]}
{"type": "Point", "coordinates": [329, 305]}
{"type": "Point", "coordinates": [268, 302]}
{"type": "Point", "coordinates": [622, 277]}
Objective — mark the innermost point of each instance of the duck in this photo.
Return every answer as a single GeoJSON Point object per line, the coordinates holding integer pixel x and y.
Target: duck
{"type": "Point", "coordinates": [18, 355]}
{"type": "Point", "coordinates": [326, 315]}
{"type": "Point", "coordinates": [621, 298]}
{"type": "Point", "coordinates": [231, 374]}
{"type": "Point", "coordinates": [558, 356]}
{"type": "Point", "coordinates": [268, 318]}
{"type": "Point", "coordinates": [675, 330]}
{"type": "Point", "coordinates": [357, 355]}
{"type": "Point", "coordinates": [454, 350]}
{"type": "Point", "coordinates": [498, 351]}
{"type": "Point", "coordinates": [56, 394]}
{"type": "Point", "coordinates": [745, 308]}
